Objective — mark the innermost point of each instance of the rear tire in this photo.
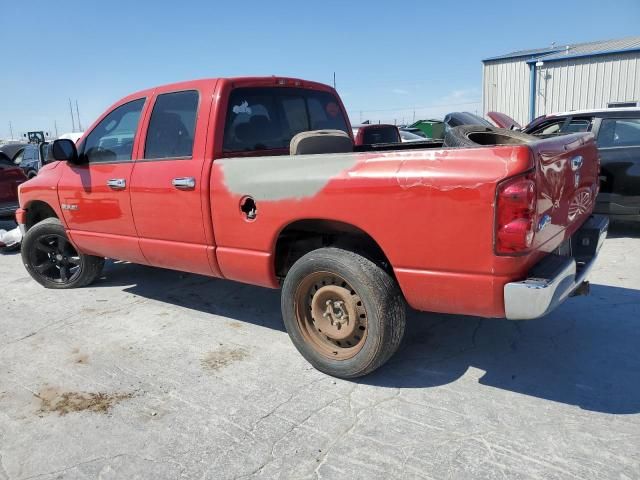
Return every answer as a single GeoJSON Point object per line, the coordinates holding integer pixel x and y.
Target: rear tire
{"type": "Point", "coordinates": [477, 135]}
{"type": "Point", "coordinates": [53, 261]}
{"type": "Point", "coordinates": [344, 313]}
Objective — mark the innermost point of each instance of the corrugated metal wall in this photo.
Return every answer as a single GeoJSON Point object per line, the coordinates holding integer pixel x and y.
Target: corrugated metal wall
{"type": "Point", "coordinates": [590, 82]}
{"type": "Point", "coordinates": [578, 83]}
{"type": "Point", "coordinates": [506, 88]}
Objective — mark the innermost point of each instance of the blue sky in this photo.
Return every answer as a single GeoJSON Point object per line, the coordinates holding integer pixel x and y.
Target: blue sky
{"type": "Point", "coordinates": [390, 58]}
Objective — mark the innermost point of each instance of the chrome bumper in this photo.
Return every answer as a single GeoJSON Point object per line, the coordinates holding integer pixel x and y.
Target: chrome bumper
{"type": "Point", "coordinates": [556, 277]}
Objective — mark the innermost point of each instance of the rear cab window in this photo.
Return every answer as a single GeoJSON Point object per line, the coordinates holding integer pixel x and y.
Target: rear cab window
{"type": "Point", "coordinates": [267, 118]}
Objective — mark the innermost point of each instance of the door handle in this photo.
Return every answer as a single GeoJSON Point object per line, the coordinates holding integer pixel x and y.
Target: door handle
{"type": "Point", "coordinates": [184, 183]}
{"type": "Point", "coordinates": [117, 183]}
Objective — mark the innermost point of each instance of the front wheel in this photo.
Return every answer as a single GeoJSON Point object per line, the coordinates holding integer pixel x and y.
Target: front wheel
{"type": "Point", "coordinates": [344, 313]}
{"type": "Point", "coordinates": [53, 261]}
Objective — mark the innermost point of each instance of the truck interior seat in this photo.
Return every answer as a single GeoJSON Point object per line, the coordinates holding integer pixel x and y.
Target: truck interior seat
{"type": "Point", "coordinates": [170, 138]}
{"type": "Point", "coordinates": [320, 141]}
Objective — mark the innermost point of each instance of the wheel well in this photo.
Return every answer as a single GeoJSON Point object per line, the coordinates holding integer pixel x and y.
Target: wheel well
{"type": "Point", "coordinates": [38, 211]}
{"type": "Point", "coordinates": [303, 236]}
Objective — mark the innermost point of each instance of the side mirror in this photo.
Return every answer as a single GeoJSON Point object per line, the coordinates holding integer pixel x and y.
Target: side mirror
{"type": "Point", "coordinates": [62, 151]}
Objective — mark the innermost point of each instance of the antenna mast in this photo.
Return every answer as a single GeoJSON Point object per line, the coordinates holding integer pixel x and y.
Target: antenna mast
{"type": "Point", "coordinates": [78, 115]}
{"type": "Point", "coordinates": [73, 121]}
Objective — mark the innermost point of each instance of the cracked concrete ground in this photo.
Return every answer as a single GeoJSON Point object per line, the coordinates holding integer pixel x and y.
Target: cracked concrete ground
{"type": "Point", "coordinates": [156, 374]}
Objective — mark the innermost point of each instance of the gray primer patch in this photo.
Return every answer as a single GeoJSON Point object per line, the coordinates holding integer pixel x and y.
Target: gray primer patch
{"type": "Point", "coordinates": [280, 177]}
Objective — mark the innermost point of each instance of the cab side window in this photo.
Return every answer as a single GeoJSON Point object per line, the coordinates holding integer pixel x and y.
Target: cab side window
{"type": "Point", "coordinates": [172, 126]}
{"type": "Point", "coordinates": [112, 139]}
{"type": "Point", "coordinates": [268, 118]}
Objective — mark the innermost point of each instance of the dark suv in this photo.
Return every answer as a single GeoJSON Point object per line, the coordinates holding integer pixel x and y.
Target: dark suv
{"type": "Point", "coordinates": [32, 158]}
{"type": "Point", "coordinates": [617, 132]}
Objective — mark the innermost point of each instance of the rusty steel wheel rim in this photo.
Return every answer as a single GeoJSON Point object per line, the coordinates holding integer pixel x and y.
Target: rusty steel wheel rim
{"type": "Point", "coordinates": [330, 315]}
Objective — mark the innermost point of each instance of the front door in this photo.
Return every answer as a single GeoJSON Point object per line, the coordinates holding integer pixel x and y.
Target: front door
{"type": "Point", "coordinates": [95, 195]}
{"type": "Point", "coordinates": [169, 184]}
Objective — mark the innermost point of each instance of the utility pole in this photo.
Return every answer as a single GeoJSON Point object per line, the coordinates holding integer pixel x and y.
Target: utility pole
{"type": "Point", "coordinates": [414, 116]}
{"type": "Point", "coordinates": [73, 122]}
{"type": "Point", "coordinates": [11, 129]}
{"type": "Point", "coordinates": [55, 126]}
{"type": "Point", "coordinates": [334, 80]}
{"type": "Point", "coordinates": [360, 116]}
{"type": "Point", "coordinates": [78, 115]}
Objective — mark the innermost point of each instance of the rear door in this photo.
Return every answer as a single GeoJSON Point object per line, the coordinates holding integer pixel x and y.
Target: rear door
{"type": "Point", "coordinates": [170, 182]}
{"type": "Point", "coordinates": [94, 196]}
{"type": "Point", "coordinates": [619, 146]}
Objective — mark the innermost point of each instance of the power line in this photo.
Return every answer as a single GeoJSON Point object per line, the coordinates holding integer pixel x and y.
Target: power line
{"type": "Point", "coordinates": [411, 108]}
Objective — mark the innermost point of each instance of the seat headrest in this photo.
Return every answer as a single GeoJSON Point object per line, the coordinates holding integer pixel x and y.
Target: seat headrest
{"type": "Point", "coordinates": [320, 141]}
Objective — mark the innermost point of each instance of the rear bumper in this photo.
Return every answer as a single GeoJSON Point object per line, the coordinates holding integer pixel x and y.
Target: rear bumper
{"type": "Point", "coordinates": [556, 277]}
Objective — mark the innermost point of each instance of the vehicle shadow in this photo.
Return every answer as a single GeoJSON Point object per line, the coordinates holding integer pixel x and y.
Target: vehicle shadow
{"type": "Point", "coordinates": [585, 353]}
{"type": "Point", "coordinates": [620, 229]}
{"type": "Point", "coordinates": [257, 305]}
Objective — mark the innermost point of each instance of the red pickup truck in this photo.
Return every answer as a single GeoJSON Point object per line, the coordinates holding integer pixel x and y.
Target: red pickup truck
{"type": "Point", "coordinates": [257, 180]}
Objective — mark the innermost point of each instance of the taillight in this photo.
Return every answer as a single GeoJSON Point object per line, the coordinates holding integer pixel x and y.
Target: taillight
{"type": "Point", "coordinates": [515, 215]}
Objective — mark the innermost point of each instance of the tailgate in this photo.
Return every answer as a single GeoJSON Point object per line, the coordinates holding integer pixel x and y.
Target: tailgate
{"type": "Point", "coordinates": [567, 170]}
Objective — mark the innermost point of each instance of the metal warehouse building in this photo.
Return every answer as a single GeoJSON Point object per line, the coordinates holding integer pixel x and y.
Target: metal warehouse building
{"type": "Point", "coordinates": [529, 83]}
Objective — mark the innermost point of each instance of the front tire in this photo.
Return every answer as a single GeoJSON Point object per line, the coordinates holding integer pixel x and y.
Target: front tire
{"type": "Point", "coordinates": [53, 261]}
{"type": "Point", "coordinates": [343, 312]}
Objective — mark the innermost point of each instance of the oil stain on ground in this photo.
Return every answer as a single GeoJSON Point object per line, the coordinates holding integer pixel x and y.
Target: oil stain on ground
{"type": "Point", "coordinates": [223, 357]}
{"type": "Point", "coordinates": [53, 400]}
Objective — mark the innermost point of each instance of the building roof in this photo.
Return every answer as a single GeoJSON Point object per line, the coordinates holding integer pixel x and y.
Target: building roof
{"type": "Point", "coordinates": [562, 52]}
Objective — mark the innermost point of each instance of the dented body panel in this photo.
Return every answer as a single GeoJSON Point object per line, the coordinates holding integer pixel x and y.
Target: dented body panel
{"type": "Point", "coordinates": [430, 211]}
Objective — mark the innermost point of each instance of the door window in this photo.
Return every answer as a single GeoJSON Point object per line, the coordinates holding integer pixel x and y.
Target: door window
{"type": "Point", "coordinates": [17, 160]}
{"type": "Point", "coordinates": [172, 126]}
{"type": "Point", "coordinates": [4, 160]}
{"type": "Point", "coordinates": [577, 125]}
{"type": "Point", "coordinates": [551, 128]}
{"type": "Point", "coordinates": [619, 132]}
{"type": "Point", "coordinates": [112, 139]}
{"type": "Point", "coordinates": [28, 153]}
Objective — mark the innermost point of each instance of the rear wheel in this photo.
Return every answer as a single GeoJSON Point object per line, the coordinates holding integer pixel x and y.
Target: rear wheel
{"type": "Point", "coordinates": [344, 313]}
{"type": "Point", "coordinates": [53, 261]}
